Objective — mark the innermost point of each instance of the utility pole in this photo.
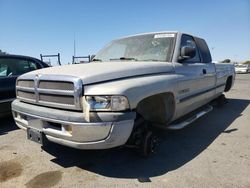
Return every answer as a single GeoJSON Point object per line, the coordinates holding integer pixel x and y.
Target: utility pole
{"type": "Point", "coordinates": [74, 45]}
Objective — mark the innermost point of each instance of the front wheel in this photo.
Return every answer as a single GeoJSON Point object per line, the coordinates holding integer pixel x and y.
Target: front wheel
{"type": "Point", "coordinates": [142, 138]}
{"type": "Point", "coordinates": [149, 144]}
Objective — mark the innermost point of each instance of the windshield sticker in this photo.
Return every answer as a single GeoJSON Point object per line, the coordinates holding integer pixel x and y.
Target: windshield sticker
{"type": "Point", "coordinates": [164, 35]}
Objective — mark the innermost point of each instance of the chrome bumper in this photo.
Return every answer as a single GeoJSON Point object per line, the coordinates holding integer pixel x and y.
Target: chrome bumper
{"type": "Point", "coordinates": [107, 131]}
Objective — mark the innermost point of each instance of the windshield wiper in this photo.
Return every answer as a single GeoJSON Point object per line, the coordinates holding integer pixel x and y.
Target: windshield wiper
{"type": "Point", "coordinates": [96, 60]}
{"type": "Point", "coordinates": [124, 58]}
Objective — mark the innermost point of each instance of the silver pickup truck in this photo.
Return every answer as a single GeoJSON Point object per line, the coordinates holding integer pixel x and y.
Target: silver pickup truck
{"type": "Point", "coordinates": [161, 79]}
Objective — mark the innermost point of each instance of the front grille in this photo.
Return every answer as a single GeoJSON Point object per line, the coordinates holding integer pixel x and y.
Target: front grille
{"type": "Point", "coordinates": [27, 95]}
{"type": "Point", "coordinates": [56, 85]}
{"type": "Point", "coordinates": [67, 100]}
{"type": "Point", "coordinates": [54, 91]}
{"type": "Point", "coordinates": [26, 83]}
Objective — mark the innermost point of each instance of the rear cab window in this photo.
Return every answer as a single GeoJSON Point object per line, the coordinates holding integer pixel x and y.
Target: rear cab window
{"type": "Point", "coordinates": [204, 50]}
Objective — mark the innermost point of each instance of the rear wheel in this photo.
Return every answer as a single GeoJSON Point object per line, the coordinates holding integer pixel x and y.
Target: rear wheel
{"type": "Point", "coordinates": [228, 84]}
{"type": "Point", "coordinates": [221, 100]}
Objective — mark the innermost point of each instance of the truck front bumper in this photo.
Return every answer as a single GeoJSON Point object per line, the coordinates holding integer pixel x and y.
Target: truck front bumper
{"type": "Point", "coordinates": [104, 130]}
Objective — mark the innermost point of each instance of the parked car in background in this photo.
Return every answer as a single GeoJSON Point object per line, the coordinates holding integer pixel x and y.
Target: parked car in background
{"type": "Point", "coordinates": [242, 68]}
{"type": "Point", "coordinates": [12, 66]}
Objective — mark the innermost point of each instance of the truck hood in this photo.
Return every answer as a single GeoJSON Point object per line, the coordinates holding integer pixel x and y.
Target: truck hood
{"type": "Point", "coordinates": [104, 71]}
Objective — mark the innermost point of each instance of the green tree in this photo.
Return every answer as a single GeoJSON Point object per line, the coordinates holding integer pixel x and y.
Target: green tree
{"type": "Point", "coordinates": [2, 53]}
{"type": "Point", "coordinates": [247, 62]}
{"type": "Point", "coordinates": [226, 61]}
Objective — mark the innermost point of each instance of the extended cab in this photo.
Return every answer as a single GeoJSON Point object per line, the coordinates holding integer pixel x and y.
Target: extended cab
{"type": "Point", "coordinates": [132, 84]}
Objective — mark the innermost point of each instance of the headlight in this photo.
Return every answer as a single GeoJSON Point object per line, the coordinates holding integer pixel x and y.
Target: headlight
{"type": "Point", "coordinates": [109, 103]}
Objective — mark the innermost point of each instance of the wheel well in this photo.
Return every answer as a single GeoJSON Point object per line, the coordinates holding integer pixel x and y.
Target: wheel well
{"type": "Point", "coordinates": [229, 83]}
{"type": "Point", "coordinates": [159, 108]}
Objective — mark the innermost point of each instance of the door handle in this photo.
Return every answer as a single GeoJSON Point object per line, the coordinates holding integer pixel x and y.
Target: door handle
{"type": "Point", "coordinates": [204, 71]}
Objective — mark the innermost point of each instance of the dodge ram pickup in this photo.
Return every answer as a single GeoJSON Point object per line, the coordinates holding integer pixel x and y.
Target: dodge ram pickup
{"type": "Point", "coordinates": [160, 79]}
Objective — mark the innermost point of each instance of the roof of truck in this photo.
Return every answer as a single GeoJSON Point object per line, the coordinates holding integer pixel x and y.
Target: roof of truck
{"type": "Point", "coordinates": [156, 32]}
{"type": "Point", "coordinates": [148, 33]}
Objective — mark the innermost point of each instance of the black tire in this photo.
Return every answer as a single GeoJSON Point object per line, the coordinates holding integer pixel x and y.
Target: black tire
{"type": "Point", "coordinates": [228, 84]}
{"type": "Point", "coordinates": [142, 138]}
{"type": "Point", "coordinates": [221, 101]}
{"type": "Point", "coordinates": [149, 144]}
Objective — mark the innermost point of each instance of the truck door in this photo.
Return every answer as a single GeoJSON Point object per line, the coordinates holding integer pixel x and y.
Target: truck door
{"type": "Point", "coordinates": [194, 80]}
{"type": "Point", "coordinates": [210, 76]}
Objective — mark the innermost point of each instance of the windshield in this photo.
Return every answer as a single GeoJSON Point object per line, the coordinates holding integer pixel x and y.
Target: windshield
{"type": "Point", "coordinates": [149, 47]}
{"type": "Point", "coordinates": [243, 66]}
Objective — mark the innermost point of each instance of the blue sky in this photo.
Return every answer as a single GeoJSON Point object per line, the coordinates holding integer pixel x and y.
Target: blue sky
{"type": "Point", "coordinates": [32, 27]}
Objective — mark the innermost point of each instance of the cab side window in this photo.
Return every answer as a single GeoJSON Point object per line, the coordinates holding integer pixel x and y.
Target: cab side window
{"type": "Point", "coordinates": [187, 40]}
{"type": "Point", "coordinates": [3, 69]}
{"type": "Point", "coordinates": [15, 67]}
{"type": "Point", "coordinates": [33, 66]}
{"type": "Point", "coordinates": [21, 66]}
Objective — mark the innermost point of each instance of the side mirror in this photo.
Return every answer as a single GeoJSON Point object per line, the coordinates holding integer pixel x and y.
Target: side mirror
{"type": "Point", "coordinates": [187, 52]}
